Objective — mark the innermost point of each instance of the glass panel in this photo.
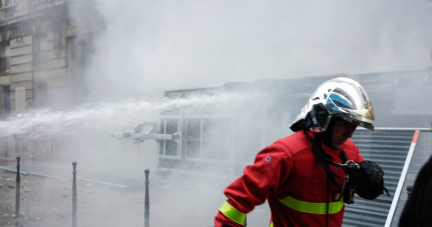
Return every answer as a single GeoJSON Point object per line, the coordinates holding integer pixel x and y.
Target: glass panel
{"type": "Point", "coordinates": [171, 148]}
{"type": "Point", "coordinates": [193, 129]}
{"type": "Point", "coordinates": [171, 126]}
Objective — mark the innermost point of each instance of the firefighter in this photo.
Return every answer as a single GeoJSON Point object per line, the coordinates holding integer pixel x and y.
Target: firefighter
{"type": "Point", "coordinates": [301, 175]}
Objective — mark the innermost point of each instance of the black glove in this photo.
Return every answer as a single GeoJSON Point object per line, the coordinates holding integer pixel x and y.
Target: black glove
{"type": "Point", "coordinates": [374, 173]}
{"type": "Point", "coordinates": [369, 181]}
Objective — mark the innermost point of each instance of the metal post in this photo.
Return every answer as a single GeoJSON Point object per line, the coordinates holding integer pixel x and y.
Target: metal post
{"type": "Point", "coordinates": [74, 197]}
{"type": "Point", "coordinates": [18, 186]}
{"type": "Point", "coordinates": [146, 201]}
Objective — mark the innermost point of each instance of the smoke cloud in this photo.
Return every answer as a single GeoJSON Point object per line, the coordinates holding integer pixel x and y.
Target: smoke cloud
{"type": "Point", "coordinates": [147, 47]}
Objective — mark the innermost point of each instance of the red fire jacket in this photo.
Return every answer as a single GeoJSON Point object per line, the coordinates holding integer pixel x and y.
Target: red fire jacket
{"type": "Point", "coordinates": [288, 175]}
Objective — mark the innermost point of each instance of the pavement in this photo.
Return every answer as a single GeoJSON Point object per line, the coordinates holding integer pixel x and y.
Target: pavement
{"type": "Point", "coordinates": [111, 200]}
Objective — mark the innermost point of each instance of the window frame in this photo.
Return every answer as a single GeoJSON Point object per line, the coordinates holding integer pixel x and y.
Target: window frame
{"type": "Point", "coordinates": [164, 118]}
{"type": "Point", "coordinates": [201, 139]}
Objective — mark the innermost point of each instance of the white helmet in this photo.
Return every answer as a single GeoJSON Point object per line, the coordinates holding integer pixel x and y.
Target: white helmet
{"type": "Point", "coordinates": [340, 97]}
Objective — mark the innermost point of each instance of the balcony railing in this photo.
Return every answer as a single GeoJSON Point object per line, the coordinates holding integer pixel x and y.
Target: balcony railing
{"type": "Point", "coordinates": [9, 12]}
{"type": "Point", "coordinates": [9, 2]}
{"type": "Point", "coordinates": [4, 64]}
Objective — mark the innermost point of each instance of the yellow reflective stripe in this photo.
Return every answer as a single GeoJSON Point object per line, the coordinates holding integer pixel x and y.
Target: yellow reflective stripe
{"type": "Point", "coordinates": [313, 208]}
{"type": "Point", "coordinates": [232, 213]}
{"type": "Point", "coordinates": [271, 224]}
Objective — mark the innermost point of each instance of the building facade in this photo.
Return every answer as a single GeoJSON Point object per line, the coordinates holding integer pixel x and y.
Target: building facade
{"type": "Point", "coordinates": [41, 56]}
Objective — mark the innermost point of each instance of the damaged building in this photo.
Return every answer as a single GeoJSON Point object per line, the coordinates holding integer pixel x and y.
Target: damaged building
{"type": "Point", "coordinates": [41, 56]}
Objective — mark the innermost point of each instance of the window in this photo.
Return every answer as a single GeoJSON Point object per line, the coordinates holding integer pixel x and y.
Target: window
{"type": "Point", "coordinates": [9, 12]}
{"type": "Point", "coordinates": [206, 138]}
{"type": "Point", "coordinates": [191, 137]}
{"type": "Point", "coordinates": [168, 147]}
{"type": "Point", "coordinates": [9, 2]}
{"type": "Point", "coordinates": [4, 58]}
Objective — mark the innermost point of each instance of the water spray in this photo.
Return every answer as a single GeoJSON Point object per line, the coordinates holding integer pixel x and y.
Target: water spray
{"type": "Point", "coordinates": [71, 122]}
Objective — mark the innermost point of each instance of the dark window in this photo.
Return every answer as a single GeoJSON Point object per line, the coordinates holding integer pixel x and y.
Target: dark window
{"type": "Point", "coordinates": [6, 90]}
{"type": "Point", "coordinates": [4, 64]}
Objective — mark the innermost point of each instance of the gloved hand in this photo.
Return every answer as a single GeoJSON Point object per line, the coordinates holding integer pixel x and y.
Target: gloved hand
{"type": "Point", "coordinates": [369, 182]}
{"type": "Point", "coordinates": [372, 172]}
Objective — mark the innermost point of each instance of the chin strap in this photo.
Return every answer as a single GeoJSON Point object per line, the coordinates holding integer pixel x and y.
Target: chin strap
{"type": "Point", "coordinates": [323, 158]}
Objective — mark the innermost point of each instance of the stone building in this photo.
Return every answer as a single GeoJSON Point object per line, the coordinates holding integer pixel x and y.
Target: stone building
{"type": "Point", "coordinates": [41, 56]}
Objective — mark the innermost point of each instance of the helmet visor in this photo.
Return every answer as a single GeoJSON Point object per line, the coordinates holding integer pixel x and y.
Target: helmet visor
{"type": "Point", "coordinates": [357, 110]}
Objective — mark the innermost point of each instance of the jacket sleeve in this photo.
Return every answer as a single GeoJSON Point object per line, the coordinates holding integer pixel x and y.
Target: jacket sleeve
{"type": "Point", "coordinates": [270, 169]}
{"type": "Point", "coordinates": [360, 158]}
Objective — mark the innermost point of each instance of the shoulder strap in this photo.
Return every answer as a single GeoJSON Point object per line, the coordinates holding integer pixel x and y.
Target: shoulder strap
{"type": "Point", "coordinates": [343, 157]}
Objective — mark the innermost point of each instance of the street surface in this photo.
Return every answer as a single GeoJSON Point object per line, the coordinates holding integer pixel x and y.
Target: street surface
{"type": "Point", "coordinates": [175, 200]}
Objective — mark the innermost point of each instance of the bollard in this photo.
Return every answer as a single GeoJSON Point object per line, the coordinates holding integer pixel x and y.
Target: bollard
{"type": "Point", "coordinates": [18, 186]}
{"type": "Point", "coordinates": [146, 200]}
{"type": "Point", "coordinates": [74, 196]}
{"type": "Point", "coordinates": [409, 190]}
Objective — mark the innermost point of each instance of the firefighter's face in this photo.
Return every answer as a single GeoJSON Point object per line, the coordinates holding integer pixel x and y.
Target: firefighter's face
{"type": "Point", "coordinates": [342, 131]}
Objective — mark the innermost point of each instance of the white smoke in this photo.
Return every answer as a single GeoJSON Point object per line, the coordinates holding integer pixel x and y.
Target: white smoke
{"type": "Point", "coordinates": [147, 47]}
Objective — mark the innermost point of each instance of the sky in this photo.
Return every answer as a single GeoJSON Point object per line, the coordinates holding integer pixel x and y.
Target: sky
{"type": "Point", "coordinates": [148, 47]}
